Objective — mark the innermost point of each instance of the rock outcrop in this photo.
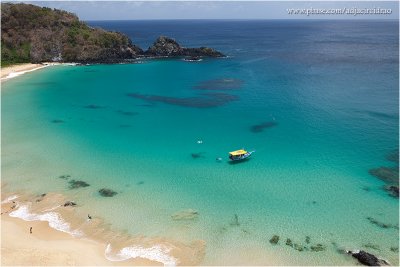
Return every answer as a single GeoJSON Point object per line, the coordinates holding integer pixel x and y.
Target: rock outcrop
{"type": "Point", "coordinates": [367, 259]}
{"type": "Point", "coordinates": [168, 47]}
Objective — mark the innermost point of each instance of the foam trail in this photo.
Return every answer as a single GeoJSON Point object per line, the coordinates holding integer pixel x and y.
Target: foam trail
{"type": "Point", "coordinates": [155, 253]}
{"type": "Point", "coordinates": [9, 199]}
{"type": "Point", "coordinates": [54, 219]}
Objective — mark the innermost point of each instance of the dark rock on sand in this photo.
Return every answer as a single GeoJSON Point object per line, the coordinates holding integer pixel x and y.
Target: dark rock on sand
{"type": "Point", "coordinates": [274, 240]}
{"type": "Point", "coordinates": [105, 192]}
{"type": "Point", "coordinates": [308, 239]}
{"type": "Point", "coordinates": [73, 184]}
{"type": "Point", "coordinates": [387, 174]}
{"type": "Point", "coordinates": [289, 242]}
{"type": "Point", "coordinates": [317, 248]}
{"type": "Point", "coordinates": [394, 249]}
{"type": "Point", "coordinates": [182, 215]}
{"type": "Point", "coordinates": [69, 203]}
{"type": "Point", "coordinates": [367, 259]}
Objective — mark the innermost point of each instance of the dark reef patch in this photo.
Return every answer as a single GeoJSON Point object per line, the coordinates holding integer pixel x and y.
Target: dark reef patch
{"type": "Point", "coordinates": [206, 100]}
{"type": "Point", "coordinates": [105, 192]}
{"type": "Point", "coordinates": [386, 174]}
{"type": "Point", "coordinates": [73, 184]}
{"type": "Point", "coordinates": [64, 176]}
{"type": "Point", "coordinates": [318, 248]}
{"type": "Point", "coordinates": [127, 113]}
{"type": "Point", "coordinates": [140, 183]}
{"type": "Point", "coordinates": [260, 127]}
{"type": "Point", "coordinates": [57, 121]}
{"type": "Point", "coordinates": [393, 190]}
{"type": "Point", "coordinates": [381, 224]}
{"type": "Point", "coordinates": [393, 156]}
{"type": "Point", "coordinates": [197, 155]}
{"type": "Point", "coordinates": [220, 84]}
{"type": "Point", "coordinates": [92, 106]}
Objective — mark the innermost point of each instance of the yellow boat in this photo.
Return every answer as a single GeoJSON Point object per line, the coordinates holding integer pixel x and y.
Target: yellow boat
{"type": "Point", "coordinates": [240, 154]}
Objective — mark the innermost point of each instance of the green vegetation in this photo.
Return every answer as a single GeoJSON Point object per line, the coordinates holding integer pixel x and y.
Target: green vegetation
{"type": "Point", "coordinates": [34, 34]}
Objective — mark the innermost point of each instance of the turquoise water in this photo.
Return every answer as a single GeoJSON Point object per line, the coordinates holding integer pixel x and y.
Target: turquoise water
{"type": "Point", "coordinates": [332, 117]}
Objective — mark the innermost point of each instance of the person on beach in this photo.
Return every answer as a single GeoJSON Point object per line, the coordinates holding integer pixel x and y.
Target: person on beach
{"type": "Point", "coordinates": [30, 230]}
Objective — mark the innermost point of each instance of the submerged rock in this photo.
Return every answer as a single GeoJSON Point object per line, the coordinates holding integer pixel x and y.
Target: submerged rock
{"type": "Point", "coordinates": [299, 247]}
{"type": "Point", "coordinates": [394, 249]}
{"type": "Point", "coordinates": [367, 259]}
{"type": "Point", "coordinates": [92, 106]}
{"type": "Point", "coordinates": [308, 239]}
{"type": "Point", "coordinates": [57, 121]}
{"type": "Point", "coordinates": [235, 221]}
{"type": "Point", "coordinates": [197, 155]}
{"type": "Point", "coordinates": [73, 184]}
{"type": "Point", "coordinates": [393, 156]}
{"type": "Point", "coordinates": [188, 214]}
{"type": "Point", "coordinates": [260, 127]}
{"type": "Point", "coordinates": [387, 174]}
{"type": "Point", "coordinates": [317, 248]}
{"type": "Point", "coordinates": [274, 240]}
{"type": "Point", "coordinates": [393, 190]}
{"type": "Point", "coordinates": [64, 176]}
{"type": "Point", "coordinates": [380, 224]}
{"type": "Point", "coordinates": [105, 192]}
{"type": "Point", "coordinates": [289, 242]}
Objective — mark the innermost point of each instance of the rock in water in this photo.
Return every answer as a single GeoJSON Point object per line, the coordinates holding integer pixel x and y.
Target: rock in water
{"type": "Point", "coordinates": [73, 184]}
{"type": "Point", "coordinates": [168, 47]}
{"type": "Point", "coordinates": [105, 192]}
{"type": "Point", "coordinates": [367, 258]}
{"type": "Point", "coordinates": [188, 214]}
{"type": "Point", "coordinates": [274, 240]}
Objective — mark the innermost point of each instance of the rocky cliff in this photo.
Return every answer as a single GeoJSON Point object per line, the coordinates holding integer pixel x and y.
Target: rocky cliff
{"type": "Point", "coordinates": [37, 34]}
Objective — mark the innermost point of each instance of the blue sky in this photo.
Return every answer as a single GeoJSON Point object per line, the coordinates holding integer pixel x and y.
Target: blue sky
{"type": "Point", "coordinates": [131, 10]}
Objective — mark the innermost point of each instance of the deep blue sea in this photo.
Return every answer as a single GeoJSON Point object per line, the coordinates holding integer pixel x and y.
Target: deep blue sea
{"type": "Point", "coordinates": [316, 99]}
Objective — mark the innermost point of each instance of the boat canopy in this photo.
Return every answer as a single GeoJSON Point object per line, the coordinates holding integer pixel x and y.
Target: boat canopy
{"type": "Point", "coordinates": [238, 152]}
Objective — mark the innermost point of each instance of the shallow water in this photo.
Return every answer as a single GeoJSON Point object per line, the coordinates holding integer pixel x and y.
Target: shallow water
{"type": "Point", "coordinates": [333, 104]}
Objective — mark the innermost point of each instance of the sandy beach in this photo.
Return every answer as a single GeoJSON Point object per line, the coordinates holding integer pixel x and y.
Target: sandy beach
{"type": "Point", "coordinates": [59, 237]}
{"type": "Point", "coordinates": [19, 69]}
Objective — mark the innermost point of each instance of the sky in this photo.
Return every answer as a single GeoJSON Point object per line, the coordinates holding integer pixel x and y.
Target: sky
{"type": "Point", "coordinates": [143, 10]}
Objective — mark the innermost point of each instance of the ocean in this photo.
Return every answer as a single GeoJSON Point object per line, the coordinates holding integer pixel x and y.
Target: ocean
{"type": "Point", "coordinates": [317, 100]}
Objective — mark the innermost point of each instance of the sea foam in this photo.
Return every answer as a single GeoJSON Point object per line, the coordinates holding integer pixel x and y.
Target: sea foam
{"type": "Point", "coordinates": [9, 199]}
{"type": "Point", "coordinates": [53, 218]}
{"type": "Point", "coordinates": [157, 253]}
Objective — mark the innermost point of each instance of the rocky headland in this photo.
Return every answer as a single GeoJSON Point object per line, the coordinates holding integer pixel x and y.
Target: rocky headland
{"type": "Point", "coordinates": [36, 34]}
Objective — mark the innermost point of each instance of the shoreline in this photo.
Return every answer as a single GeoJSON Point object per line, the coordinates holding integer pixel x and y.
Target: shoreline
{"type": "Point", "coordinates": [16, 70]}
{"type": "Point", "coordinates": [60, 237]}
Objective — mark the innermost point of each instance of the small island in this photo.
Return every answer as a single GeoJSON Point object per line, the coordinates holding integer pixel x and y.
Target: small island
{"type": "Point", "coordinates": [32, 34]}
